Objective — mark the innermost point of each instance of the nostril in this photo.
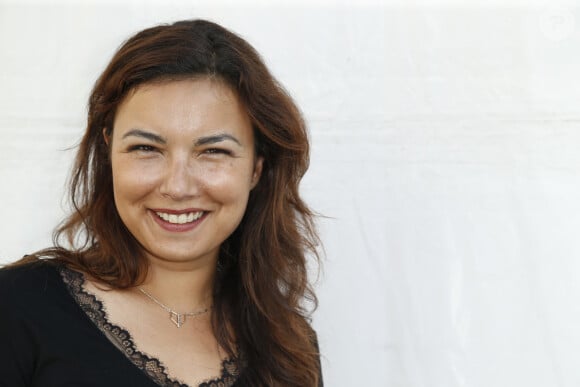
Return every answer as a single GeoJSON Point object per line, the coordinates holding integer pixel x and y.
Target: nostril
{"type": "Point", "coordinates": [178, 182]}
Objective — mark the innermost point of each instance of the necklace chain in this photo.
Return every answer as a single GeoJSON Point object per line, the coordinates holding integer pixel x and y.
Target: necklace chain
{"type": "Point", "coordinates": [177, 318]}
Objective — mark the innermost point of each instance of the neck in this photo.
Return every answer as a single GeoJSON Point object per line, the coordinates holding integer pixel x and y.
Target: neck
{"type": "Point", "coordinates": [179, 289]}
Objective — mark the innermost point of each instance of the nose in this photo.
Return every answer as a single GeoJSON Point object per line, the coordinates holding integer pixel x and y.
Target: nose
{"type": "Point", "coordinates": [179, 181]}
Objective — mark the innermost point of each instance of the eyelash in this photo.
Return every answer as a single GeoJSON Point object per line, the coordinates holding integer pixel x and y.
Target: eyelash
{"type": "Point", "coordinates": [150, 148]}
{"type": "Point", "coordinates": [218, 151]}
{"type": "Point", "coordinates": [142, 148]}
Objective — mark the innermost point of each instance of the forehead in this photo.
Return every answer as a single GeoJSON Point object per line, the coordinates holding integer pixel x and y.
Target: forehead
{"type": "Point", "coordinates": [183, 105]}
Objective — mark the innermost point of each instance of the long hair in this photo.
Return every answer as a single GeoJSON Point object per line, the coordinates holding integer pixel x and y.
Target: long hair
{"type": "Point", "coordinates": [262, 290]}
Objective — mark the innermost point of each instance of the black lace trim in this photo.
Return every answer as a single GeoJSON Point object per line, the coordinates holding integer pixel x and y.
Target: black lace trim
{"type": "Point", "coordinates": [122, 339]}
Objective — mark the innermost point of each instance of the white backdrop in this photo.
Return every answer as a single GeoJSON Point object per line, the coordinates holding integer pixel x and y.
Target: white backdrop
{"type": "Point", "coordinates": [445, 157]}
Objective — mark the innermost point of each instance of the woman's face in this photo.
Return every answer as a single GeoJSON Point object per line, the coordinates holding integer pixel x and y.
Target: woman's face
{"type": "Point", "coordinates": [183, 164]}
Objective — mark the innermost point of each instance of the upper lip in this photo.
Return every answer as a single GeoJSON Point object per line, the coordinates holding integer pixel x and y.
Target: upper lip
{"type": "Point", "coordinates": [177, 212]}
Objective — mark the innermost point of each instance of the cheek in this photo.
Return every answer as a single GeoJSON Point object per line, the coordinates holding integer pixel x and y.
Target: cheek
{"type": "Point", "coordinates": [131, 183]}
{"type": "Point", "coordinates": [230, 185]}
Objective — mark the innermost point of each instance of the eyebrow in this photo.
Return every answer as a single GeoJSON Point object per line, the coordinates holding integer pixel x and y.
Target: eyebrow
{"type": "Point", "coordinates": [199, 142]}
{"type": "Point", "coordinates": [215, 139]}
{"type": "Point", "coordinates": [148, 135]}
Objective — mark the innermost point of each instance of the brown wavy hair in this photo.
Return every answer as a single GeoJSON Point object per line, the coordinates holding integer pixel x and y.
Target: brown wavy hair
{"type": "Point", "coordinates": [262, 295]}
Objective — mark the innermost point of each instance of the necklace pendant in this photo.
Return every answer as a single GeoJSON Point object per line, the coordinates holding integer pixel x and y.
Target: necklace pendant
{"type": "Point", "coordinates": [177, 319]}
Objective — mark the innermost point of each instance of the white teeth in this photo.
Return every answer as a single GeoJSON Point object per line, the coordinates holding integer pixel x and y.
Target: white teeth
{"type": "Point", "coordinates": [181, 218]}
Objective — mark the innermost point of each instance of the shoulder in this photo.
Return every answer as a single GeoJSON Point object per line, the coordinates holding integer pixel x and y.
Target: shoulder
{"type": "Point", "coordinates": [32, 296]}
{"type": "Point", "coordinates": [28, 279]}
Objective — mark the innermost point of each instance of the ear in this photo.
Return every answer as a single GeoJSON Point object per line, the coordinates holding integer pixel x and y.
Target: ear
{"type": "Point", "coordinates": [257, 171]}
{"type": "Point", "coordinates": [106, 137]}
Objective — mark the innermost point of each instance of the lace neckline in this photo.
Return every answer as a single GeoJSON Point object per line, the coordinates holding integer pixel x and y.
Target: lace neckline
{"type": "Point", "coordinates": [122, 339]}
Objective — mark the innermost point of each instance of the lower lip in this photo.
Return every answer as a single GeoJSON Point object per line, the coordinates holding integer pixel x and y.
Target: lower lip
{"type": "Point", "coordinates": [174, 227]}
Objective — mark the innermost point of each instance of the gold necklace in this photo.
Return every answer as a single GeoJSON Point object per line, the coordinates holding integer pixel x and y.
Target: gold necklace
{"type": "Point", "coordinates": [177, 318]}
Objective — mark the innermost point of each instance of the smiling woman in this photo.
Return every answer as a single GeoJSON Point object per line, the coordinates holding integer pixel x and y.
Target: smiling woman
{"type": "Point", "coordinates": [184, 260]}
{"type": "Point", "coordinates": [182, 181]}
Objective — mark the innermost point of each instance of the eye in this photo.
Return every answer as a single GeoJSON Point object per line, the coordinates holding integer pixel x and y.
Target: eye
{"type": "Point", "coordinates": [217, 151]}
{"type": "Point", "coordinates": [141, 148]}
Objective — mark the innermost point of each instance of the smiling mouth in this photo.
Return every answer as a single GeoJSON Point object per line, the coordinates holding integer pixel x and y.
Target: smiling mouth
{"type": "Point", "coordinates": [181, 218]}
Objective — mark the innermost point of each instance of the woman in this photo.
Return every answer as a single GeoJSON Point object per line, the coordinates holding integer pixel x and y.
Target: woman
{"type": "Point", "coordinates": [184, 261]}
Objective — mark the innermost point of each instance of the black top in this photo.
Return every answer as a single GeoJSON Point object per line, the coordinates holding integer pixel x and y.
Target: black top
{"type": "Point", "coordinates": [53, 333]}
